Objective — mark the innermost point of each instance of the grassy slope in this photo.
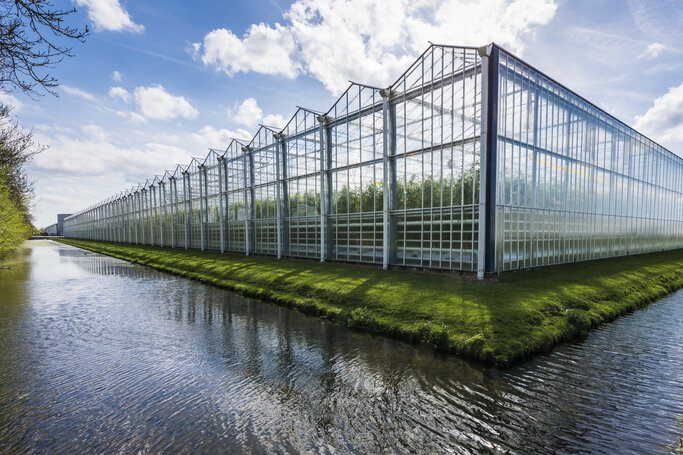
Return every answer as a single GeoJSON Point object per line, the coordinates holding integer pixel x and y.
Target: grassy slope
{"type": "Point", "coordinates": [496, 321]}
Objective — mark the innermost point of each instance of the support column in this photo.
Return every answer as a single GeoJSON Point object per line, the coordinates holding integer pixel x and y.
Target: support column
{"type": "Point", "coordinates": [129, 211]}
{"type": "Point", "coordinates": [221, 208]}
{"type": "Point", "coordinates": [278, 201]}
{"type": "Point", "coordinates": [152, 213]}
{"type": "Point", "coordinates": [187, 192]}
{"type": "Point", "coordinates": [202, 206]}
{"type": "Point", "coordinates": [137, 217]}
{"type": "Point", "coordinates": [107, 225]}
{"type": "Point", "coordinates": [390, 200]}
{"type": "Point", "coordinates": [487, 252]}
{"type": "Point", "coordinates": [226, 205]}
{"type": "Point", "coordinates": [325, 187]}
{"type": "Point", "coordinates": [116, 220]}
{"type": "Point", "coordinates": [145, 214]}
{"type": "Point", "coordinates": [285, 197]}
{"type": "Point", "coordinates": [248, 172]}
{"type": "Point", "coordinates": [207, 209]}
{"type": "Point", "coordinates": [164, 212]}
{"type": "Point", "coordinates": [122, 221]}
{"type": "Point", "coordinates": [174, 210]}
{"type": "Point", "coordinates": [534, 181]}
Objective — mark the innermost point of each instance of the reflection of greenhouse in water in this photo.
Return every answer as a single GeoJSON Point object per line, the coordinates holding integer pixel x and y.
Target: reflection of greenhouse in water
{"type": "Point", "coordinates": [392, 177]}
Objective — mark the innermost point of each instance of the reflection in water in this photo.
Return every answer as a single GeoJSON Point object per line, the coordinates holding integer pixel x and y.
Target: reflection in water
{"type": "Point", "coordinates": [113, 357]}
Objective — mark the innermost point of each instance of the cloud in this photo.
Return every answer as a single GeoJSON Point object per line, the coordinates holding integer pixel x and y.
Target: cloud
{"type": "Point", "coordinates": [120, 93]}
{"type": "Point", "coordinates": [250, 114]}
{"type": "Point", "coordinates": [263, 49]}
{"type": "Point", "coordinates": [109, 15]}
{"type": "Point", "coordinates": [653, 50]}
{"type": "Point", "coordinates": [156, 103]}
{"type": "Point", "coordinates": [131, 116]}
{"type": "Point", "coordinates": [92, 152]}
{"type": "Point", "coordinates": [663, 122]}
{"type": "Point", "coordinates": [11, 101]}
{"type": "Point", "coordinates": [117, 76]}
{"type": "Point", "coordinates": [211, 137]}
{"type": "Point", "coordinates": [75, 91]}
{"type": "Point", "coordinates": [367, 41]}
{"type": "Point", "coordinates": [275, 120]}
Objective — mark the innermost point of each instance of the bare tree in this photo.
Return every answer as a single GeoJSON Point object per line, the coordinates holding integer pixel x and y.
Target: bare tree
{"type": "Point", "coordinates": [31, 33]}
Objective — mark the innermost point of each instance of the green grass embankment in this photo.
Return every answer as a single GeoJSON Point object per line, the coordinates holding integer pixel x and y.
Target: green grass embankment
{"type": "Point", "coordinates": [496, 321]}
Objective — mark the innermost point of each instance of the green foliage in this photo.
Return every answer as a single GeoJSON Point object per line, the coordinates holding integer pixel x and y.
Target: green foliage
{"type": "Point", "coordinates": [14, 223]}
{"type": "Point", "coordinates": [496, 321]}
{"type": "Point", "coordinates": [16, 188]}
{"type": "Point", "coordinates": [429, 192]}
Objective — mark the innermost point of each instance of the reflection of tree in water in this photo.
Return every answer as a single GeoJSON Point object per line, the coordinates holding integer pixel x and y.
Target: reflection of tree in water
{"type": "Point", "coordinates": [15, 288]}
{"type": "Point", "coordinates": [14, 274]}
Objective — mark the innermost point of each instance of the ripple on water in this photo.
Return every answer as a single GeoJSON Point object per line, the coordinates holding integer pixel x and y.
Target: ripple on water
{"type": "Point", "coordinates": [104, 356]}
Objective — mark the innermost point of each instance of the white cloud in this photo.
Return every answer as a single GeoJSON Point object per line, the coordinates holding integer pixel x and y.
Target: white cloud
{"type": "Point", "coordinates": [211, 137]}
{"type": "Point", "coordinates": [120, 93]}
{"type": "Point", "coordinates": [248, 113]}
{"type": "Point", "coordinates": [275, 120]}
{"type": "Point", "coordinates": [663, 122]}
{"type": "Point", "coordinates": [117, 76]}
{"type": "Point", "coordinates": [262, 49]}
{"type": "Point", "coordinates": [75, 91]}
{"type": "Point", "coordinates": [93, 152]}
{"type": "Point", "coordinates": [156, 103]}
{"type": "Point", "coordinates": [11, 101]}
{"type": "Point", "coordinates": [653, 50]}
{"type": "Point", "coordinates": [368, 40]}
{"type": "Point", "coordinates": [131, 116]}
{"type": "Point", "coordinates": [109, 15]}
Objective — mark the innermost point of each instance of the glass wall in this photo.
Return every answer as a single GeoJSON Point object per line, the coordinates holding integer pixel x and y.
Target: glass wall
{"type": "Point", "coordinates": [391, 176]}
{"type": "Point", "coordinates": [385, 176]}
{"type": "Point", "coordinates": [574, 183]}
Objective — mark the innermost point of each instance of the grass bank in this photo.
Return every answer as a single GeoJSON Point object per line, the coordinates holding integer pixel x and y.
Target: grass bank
{"type": "Point", "coordinates": [496, 321]}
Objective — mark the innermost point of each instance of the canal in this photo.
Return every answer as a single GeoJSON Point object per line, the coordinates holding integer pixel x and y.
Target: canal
{"type": "Point", "coordinates": [102, 356]}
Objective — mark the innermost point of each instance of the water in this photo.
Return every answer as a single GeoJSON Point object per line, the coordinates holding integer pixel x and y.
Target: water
{"type": "Point", "coordinates": [102, 356]}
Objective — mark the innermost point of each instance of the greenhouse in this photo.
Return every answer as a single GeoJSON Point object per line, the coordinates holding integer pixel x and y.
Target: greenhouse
{"type": "Point", "coordinates": [471, 161]}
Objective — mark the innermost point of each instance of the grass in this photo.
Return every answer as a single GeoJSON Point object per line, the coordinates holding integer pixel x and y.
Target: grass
{"type": "Point", "coordinates": [499, 321]}
{"type": "Point", "coordinates": [677, 447]}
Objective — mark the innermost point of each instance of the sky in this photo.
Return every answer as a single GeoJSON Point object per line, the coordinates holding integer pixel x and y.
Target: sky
{"type": "Point", "coordinates": [159, 82]}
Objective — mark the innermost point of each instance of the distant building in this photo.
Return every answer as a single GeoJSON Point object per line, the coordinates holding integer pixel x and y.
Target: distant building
{"type": "Point", "coordinates": [51, 229]}
{"type": "Point", "coordinates": [60, 222]}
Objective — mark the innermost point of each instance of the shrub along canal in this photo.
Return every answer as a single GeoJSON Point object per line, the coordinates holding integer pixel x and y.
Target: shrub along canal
{"type": "Point", "coordinates": [104, 355]}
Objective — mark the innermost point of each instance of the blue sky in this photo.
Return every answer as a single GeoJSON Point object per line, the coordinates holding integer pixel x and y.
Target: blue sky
{"type": "Point", "coordinates": [158, 82]}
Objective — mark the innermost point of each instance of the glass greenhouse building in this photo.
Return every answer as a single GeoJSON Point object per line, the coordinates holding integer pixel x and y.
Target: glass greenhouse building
{"type": "Point", "coordinates": [471, 161]}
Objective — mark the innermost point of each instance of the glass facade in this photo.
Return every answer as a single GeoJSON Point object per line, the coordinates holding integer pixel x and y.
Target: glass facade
{"type": "Point", "coordinates": [471, 161]}
{"type": "Point", "coordinates": [573, 183]}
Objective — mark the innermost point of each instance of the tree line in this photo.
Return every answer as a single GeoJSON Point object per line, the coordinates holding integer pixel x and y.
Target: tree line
{"type": "Point", "coordinates": [33, 34]}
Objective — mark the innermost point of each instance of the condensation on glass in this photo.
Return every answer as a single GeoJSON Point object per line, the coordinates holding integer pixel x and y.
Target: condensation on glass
{"type": "Point", "coordinates": [471, 161]}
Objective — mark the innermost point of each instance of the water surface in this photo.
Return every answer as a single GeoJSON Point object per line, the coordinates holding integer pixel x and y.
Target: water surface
{"type": "Point", "coordinates": [103, 356]}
